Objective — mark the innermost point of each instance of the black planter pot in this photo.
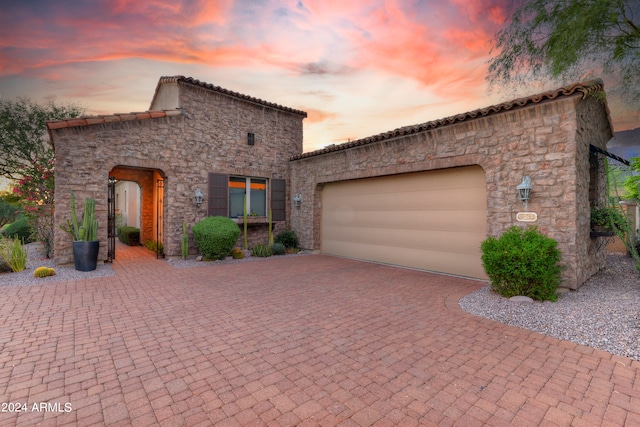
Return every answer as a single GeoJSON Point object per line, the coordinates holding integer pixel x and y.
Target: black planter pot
{"type": "Point", "coordinates": [85, 255]}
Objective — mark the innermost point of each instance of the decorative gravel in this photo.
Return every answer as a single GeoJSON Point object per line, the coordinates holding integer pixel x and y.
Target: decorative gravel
{"type": "Point", "coordinates": [604, 313]}
{"type": "Point", "coordinates": [36, 259]}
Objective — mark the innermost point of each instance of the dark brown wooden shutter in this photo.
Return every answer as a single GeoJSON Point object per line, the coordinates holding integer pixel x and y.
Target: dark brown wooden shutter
{"type": "Point", "coordinates": [218, 198]}
{"type": "Point", "coordinates": [278, 202]}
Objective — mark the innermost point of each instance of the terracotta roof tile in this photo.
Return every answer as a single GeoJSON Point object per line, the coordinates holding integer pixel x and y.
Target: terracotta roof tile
{"type": "Point", "coordinates": [121, 117]}
{"type": "Point", "coordinates": [196, 82]}
{"type": "Point", "coordinates": [586, 88]}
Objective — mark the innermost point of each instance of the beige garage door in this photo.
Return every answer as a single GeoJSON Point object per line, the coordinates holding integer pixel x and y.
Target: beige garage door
{"type": "Point", "coordinates": [432, 220]}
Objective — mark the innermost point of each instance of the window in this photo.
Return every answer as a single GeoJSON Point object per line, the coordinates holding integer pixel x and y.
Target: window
{"type": "Point", "coordinates": [226, 196]}
{"type": "Point", "coordinates": [256, 196]}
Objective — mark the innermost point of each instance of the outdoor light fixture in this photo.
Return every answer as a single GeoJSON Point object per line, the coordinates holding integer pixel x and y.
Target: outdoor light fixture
{"type": "Point", "coordinates": [297, 200]}
{"type": "Point", "coordinates": [524, 191]}
{"type": "Point", "coordinates": [199, 197]}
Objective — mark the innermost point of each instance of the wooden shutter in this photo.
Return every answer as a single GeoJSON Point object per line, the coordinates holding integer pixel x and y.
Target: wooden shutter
{"type": "Point", "coordinates": [278, 201]}
{"type": "Point", "coordinates": [218, 199]}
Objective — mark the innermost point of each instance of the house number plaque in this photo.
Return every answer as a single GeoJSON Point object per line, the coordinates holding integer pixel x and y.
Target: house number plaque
{"type": "Point", "coordinates": [527, 216]}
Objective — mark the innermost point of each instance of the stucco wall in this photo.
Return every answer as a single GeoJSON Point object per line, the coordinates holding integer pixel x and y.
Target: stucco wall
{"type": "Point", "coordinates": [209, 136]}
{"type": "Point", "coordinates": [549, 141]}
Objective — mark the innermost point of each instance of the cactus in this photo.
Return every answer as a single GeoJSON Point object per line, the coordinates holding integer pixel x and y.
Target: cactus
{"type": "Point", "coordinates": [185, 241]}
{"type": "Point", "coordinates": [244, 222]}
{"type": "Point", "coordinates": [88, 231]}
{"type": "Point", "coordinates": [270, 229]}
{"type": "Point", "coordinates": [44, 272]}
{"type": "Point", "coordinates": [237, 253]}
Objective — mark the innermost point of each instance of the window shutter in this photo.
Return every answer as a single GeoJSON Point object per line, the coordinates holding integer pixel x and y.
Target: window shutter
{"type": "Point", "coordinates": [278, 202]}
{"type": "Point", "coordinates": [217, 203]}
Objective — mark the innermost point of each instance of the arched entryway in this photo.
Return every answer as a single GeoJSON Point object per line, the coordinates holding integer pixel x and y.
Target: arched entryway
{"type": "Point", "coordinates": [151, 204]}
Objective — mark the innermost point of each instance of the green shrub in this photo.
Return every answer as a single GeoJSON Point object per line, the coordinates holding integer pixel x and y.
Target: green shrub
{"type": "Point", "coordinates": [288, 238]}
{"type": "Point", "coordinates": [154, 246]}
{"type": "Point", "coordinates": [609, 216]}
{"type": "Point", "coordinates": [261, 251]}
{"type": "Point", "coordinates": [215, 236]}
{"type": "Point", "coordinates": [278, 249]}
{"type": "Point", "coordinates": [19, 229]}
{"type": "Point", "coordinates": [129, 235]}
{"type": "Point", "coordinates": [523, 262]}
{"type": "Point", "coordinates": [14, 254]}
{"type": "Point", "coordinates": [8, 212]}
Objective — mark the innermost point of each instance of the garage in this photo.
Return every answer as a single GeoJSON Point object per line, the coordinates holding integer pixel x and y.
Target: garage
{"type": "Point", "coordinates": [433, 220]}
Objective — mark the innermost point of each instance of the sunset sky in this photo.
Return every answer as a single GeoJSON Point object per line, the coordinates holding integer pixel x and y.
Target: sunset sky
{"type": "Point", "coordinates": [358, 68]}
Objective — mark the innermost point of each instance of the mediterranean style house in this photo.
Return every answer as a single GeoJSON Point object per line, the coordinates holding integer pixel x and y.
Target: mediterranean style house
{"type": "Point", "coordinates": [421, 196]}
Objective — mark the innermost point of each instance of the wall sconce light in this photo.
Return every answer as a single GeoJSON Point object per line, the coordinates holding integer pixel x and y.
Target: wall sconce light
{"type": "Point", "coordinates": [524, 191]}
{"type": "Point", "coordinates": [199, 197]}
{"type": "Point", "coordinates": [297, 200]}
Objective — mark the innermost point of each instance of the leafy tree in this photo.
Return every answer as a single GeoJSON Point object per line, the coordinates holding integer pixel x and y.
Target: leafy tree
{"type": "Point", "coordinates": [565, 40]}
{"type": "Point", "coordinates": [28, 158]}
{"type": "Point", "coordinates": [23, 133]}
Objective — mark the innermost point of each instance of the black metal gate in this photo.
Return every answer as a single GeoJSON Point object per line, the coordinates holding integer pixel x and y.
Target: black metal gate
{"type": "Point", "coordinates": [111, 220]}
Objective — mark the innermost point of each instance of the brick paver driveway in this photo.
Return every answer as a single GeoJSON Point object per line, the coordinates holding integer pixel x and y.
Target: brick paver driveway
{"type": "Point", "coordinates": [308, 340]}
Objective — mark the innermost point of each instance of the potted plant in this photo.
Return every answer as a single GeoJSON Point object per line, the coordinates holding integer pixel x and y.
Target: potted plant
{"type": "Point", "coordinates": [85, 235]}
{"type": "Point", "coordinates": [606, 220]}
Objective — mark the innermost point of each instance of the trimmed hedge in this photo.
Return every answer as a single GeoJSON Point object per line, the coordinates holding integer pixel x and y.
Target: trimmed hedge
{"type": "Point", "coordinates": [129, 235]}
{"type": "Point", "coordinates": [216, 236]}
{"type": "Point", "coordinates": [523, 262]}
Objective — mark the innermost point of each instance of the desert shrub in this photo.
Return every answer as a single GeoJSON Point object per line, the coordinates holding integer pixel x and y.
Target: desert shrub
{"type": "Point", "coordinates": [154, 246]}
{"type": "Point", "coordinates": [523, 262]}
{"type": "Point", "coordinates": [19, 229]}
{"type": "Point", "coordinates": [129, 235]}
{"type": "Point", "coordinates": [13, 253]}
{"type": "Point", "coordinates": [215, 236]}
{"type": "Point", "coordinates": [278, 249]}
{"type": "Point", "coordinates": [288, 238]}
{"type": "Point", "coordinates": [237, 253]}
{"type": "Point", "coordinates": [261, 251]}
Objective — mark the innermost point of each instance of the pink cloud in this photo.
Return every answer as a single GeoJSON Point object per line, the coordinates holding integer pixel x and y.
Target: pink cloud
{"type": "Point", "coordinates": [478, 11]}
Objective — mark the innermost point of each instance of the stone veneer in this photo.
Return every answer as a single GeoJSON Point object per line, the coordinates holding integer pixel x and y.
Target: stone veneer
{"type": "Point", "coordinates": [208, 134]}
{"type": "Point", "coordinates": [199, 128]}
{"type": "Point", "coordinates": [548, 140]}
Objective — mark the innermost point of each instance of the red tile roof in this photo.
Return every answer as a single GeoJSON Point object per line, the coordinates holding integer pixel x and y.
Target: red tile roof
{"type": "Point", "coordinates": [196, 82]}
{"type": "Point", "coordinates": [121, 117]}
{"type": "Point", "coordinates": [586, 88]}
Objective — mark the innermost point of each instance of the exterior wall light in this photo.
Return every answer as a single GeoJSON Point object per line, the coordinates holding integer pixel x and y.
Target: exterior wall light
{"type": "Point", "coordinates": [524, 191]}
{"type": "Point", "coordinates": [199, 197]}
{"type": "Point", "coordinates": [297, 200]}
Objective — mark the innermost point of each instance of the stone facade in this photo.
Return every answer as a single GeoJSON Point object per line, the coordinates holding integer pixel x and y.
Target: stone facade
{"type": "Point", "coordinates": [547, 140]}
{"type": "Point", "coordinates": [201, 129]}
{"type": "Point", "coordinates": [195, 130]}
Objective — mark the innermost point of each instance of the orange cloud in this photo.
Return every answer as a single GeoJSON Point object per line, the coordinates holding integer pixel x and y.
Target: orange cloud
{"type": "Point", "coordinates": [318, 116]}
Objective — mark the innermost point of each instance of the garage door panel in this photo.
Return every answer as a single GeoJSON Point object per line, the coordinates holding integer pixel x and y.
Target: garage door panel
{"type": "Point", "coordinates": [414, 220]}
{"type": "Point", "coordinates": [415, 200]}
{"type": "Point", "coordinates": [431, 220]}
{"type": "Point", "coordinates": [448, 241]}
{"type": "Point", "coordinates": [436, 260]}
